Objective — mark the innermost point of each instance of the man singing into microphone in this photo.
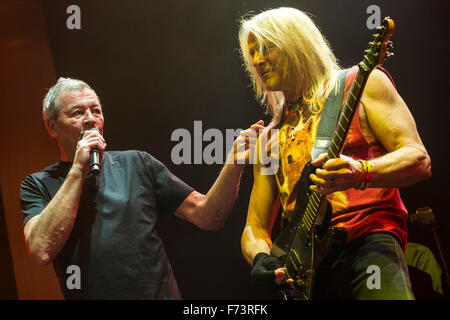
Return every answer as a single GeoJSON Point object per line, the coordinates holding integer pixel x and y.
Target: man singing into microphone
{"type": "Point", "coordinates": [105, 224]}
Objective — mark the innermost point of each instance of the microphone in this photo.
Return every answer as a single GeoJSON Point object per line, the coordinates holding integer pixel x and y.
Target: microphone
{"type": "Point", "coordinates": [94, 159]}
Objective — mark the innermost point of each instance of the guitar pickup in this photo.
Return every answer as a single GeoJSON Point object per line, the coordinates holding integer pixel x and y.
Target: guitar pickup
{"type": "Point", "coordinates": [293, 262]}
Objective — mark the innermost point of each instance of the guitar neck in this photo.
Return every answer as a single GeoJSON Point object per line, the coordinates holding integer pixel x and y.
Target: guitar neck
{"type": "Point", "coordinates": [347, 114]}
{"type": "Point", "coordinates": [337, 143]}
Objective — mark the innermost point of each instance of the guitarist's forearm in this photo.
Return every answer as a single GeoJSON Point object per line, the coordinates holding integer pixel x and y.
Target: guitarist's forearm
{"type": "Point", "coordinates": [252, 244]}
{"type": "Point", "coordinates": [401, 168]}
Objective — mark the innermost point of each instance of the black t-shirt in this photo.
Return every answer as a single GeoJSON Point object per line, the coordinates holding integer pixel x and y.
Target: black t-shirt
{"type": "Point", "coordinates": [114, 241]}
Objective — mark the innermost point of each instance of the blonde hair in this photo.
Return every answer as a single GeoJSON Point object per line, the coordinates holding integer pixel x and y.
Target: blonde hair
{"type": "Point", "coordinates": [308, 66]}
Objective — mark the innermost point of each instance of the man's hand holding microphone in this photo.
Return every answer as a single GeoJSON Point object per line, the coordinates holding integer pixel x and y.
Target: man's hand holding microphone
{"type": "Point", "coordinates": [89, 150]}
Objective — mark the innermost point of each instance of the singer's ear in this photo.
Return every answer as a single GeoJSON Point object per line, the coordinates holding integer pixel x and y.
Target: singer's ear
{"type": "Point", "coordinates": [50, 124]}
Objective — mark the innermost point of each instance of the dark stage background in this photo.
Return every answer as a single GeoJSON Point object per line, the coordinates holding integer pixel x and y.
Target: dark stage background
{"type": "Point", "coordinates": [160, 65]}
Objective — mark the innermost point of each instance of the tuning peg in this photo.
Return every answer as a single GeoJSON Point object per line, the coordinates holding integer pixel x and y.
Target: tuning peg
{"type": "Point", "coordinates": [389, 54]}
{"type": "Point", "coordinates": [390, 45]}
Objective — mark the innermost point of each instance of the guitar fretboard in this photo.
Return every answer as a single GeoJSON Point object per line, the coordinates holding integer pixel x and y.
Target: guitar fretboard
{"type": "Point", "coordinates": [336, 146]}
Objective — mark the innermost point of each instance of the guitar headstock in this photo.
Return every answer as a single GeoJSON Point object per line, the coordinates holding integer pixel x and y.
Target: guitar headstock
{"type": "Point", "coordinates": [379, 49]}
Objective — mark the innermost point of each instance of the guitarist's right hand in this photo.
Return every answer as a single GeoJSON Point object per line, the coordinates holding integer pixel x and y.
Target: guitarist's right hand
{"type": "Point", "coordinates": [268, 272]}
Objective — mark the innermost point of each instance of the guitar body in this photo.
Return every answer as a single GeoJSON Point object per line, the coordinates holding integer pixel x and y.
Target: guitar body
{"type": "Point", "coordinates": [303, 253]}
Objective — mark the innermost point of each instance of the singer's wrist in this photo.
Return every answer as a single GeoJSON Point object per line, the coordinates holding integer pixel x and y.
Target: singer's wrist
{"type": "Point", "coordinates": [77, 171]}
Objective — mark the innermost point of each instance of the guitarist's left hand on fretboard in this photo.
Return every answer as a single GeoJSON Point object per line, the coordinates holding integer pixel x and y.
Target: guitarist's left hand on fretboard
{"type": "Point", "coordinates": [337, 174]}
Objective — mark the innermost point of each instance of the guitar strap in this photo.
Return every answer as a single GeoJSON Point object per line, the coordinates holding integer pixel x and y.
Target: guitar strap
{"type": "Point", "coordinates": [329, 118]}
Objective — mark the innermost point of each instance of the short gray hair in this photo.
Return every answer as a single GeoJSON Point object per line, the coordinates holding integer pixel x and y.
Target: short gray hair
{"type": "Point", "coordinates": [51, 103]}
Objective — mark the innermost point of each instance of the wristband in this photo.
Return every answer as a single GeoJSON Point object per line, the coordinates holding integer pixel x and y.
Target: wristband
{"type": "Point", "coordinates": [366, 176]}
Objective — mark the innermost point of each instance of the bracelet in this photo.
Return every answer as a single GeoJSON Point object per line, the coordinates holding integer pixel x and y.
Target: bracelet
{"type": "Point", "coordinates": [366, 176]}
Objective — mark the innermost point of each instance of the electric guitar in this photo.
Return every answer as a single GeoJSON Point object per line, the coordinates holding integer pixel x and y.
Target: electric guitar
{"type": "Point", "coordinates": [305, 243]}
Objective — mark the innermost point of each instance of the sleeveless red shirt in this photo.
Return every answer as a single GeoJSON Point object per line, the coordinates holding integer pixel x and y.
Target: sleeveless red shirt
{"type": "Point", "coordinates": [359, 212]}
